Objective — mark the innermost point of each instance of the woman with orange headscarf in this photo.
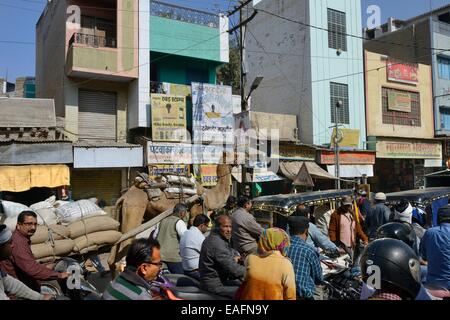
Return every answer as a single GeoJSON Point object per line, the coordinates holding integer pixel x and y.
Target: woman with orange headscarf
{"type": "Point", "coordinates": [270, 275]}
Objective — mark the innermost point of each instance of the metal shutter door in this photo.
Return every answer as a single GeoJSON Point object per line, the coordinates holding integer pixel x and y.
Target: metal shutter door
{"type": "Point", "coordinates": [101, 184]}
{"type": "Point", "coordinates": [97, 115]}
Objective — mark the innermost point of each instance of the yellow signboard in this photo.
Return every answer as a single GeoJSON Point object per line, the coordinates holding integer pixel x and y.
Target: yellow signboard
{"type": "Point", "coordinates": [348, 138]}
{"type": "Point", "coordinates": [208, 174]}
{"type": "Point", "coordinates": [409, 150]}
{"type": "Point", "coordinates": [168, 118]}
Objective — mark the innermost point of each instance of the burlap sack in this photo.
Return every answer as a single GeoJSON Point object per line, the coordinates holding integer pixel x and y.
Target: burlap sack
{"type": "Point", "coordinates": [91, 225]}
{"type": "Point", "coordinates": [88, 249]}
{"type": "Point", "coordinates": [97, 238]}
{"type": "Point", "coordinates": [61, 248]}
{"type": "Point", "coordinates": [49, 259]}
{"type": "Point", "coordinates": [58, 232]}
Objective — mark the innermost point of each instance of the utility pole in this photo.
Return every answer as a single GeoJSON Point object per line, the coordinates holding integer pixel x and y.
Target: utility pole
{"type": "Point", "coordinates": [336, 144]}
{"type": "Point", "coordinates": [241, 25]}
{"type": "Point", "coordinates": [242, 82]}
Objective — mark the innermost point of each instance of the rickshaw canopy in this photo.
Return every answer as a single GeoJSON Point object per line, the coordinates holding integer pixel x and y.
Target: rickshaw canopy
{"type": "Point", "coordinates": [286, 204]}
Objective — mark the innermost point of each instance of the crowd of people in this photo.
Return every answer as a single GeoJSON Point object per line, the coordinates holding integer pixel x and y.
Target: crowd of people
{"type": "Point", "coordinates": [233, 257]}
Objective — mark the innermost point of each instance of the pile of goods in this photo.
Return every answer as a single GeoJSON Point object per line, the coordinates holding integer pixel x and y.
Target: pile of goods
{"type": "Point", "coordinates": [65, 228]}
{"type": "Point", "coordinates": [171, 185]}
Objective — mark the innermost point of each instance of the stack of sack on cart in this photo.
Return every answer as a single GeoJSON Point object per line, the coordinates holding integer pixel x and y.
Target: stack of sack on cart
{"type": "Point", "coordinates": [65, 228]}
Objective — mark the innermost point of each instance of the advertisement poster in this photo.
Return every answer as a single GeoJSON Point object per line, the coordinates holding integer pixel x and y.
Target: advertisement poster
{"type": "Point", "coordinates": [213, 119]}
{"type": "Point", "coordinates": [168, 118]}
{"type": "Point", "coordinates": [398, 101]}
{"type": "Point", "coordinates": [170, 153]}
{"type": "Point", "coordinates": [402, 72]}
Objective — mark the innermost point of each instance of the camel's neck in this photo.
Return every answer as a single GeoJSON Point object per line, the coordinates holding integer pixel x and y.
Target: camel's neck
{"type": "Point", "coordinates": [224, 181]}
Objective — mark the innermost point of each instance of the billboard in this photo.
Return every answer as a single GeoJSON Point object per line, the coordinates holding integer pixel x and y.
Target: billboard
{"type": "Point", "coordinates": [168, 118]}
{"type": "Point", "coordinates": [402, 72]}
{"type": "Point", "coordinates": [213, 119]}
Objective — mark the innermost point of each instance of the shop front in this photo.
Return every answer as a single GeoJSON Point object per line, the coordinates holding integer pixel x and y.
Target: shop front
{"type": "Point", "coordinates": [403, 164]}
{"type": "Point", "coordinates": [353, 164]}
{"type": "Point", "coordinates": [103, 170]}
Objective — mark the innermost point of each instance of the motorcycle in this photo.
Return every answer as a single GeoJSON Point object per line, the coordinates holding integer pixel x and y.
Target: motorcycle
{"type": "Point", "coordinates": [179, 287]}
{"type": "Point", "coordinates": [341, 279]}
{"type": "Point", "coordinates": [71, 288]}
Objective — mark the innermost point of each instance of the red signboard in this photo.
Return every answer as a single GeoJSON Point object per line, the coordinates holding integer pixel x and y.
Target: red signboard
{"type": "Point", "coordinates": [402, 72]}
{"type": "Point", "coordinates": [347, 157]}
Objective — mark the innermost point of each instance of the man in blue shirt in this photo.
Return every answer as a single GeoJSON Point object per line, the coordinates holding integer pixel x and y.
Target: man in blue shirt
{"type": "Point", "coordinates": [316, 238]}
{"type": "Point", "coordinates": [435, 249]}
{"type": "Point", "coordinates": [305, 259]}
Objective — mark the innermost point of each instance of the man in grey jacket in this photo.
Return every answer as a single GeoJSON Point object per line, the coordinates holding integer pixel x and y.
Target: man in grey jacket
{"type": "Point", "coordinates": [220, 272]}
{"type": "Point", "coordinates": [377, 216]}
{"type": "Point", "coordinates": [8, 284]}
{"type": "Point", "coordinates": [246, 230]}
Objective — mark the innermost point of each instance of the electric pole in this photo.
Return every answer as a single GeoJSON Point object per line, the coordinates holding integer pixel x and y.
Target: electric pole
{"type": "Point", "coordinates": [336, 144]}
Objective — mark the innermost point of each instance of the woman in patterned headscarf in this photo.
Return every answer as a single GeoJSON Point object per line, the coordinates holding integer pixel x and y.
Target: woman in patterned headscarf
{"type": "Point", "coordinates": [270, 275]}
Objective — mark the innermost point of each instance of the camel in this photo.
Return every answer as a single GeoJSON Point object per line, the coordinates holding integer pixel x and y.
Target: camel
{"type": "Point", "coordinates": [135, 206]}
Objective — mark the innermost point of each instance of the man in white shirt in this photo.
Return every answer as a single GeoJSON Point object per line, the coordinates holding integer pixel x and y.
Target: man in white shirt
{"type": "Point", "coordinates": [191, 245]}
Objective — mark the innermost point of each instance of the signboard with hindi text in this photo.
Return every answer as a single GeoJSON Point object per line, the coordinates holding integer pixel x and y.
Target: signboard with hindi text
{"type": "Point", "coordinates": [390, 149]}
{"type": "Point", "coordinates": [168, 153]}
{"type": "Point", "coordinates": [208, 175]}
{"type": "Point", "coordinates": [168, 118]}
{"type": "Point", "coordinates": [162, 169]}
{"type": "Point", "coordinates": [213, 119]}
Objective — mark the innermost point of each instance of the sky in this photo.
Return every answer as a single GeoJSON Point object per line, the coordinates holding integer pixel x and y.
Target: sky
{"type": "Point", "coordinates": [18, 22]}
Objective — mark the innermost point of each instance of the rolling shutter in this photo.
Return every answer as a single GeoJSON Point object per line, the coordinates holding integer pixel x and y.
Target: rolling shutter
{"type": "Point", "coordinates": [101, 184]}
{"type": "Point", "coordinates": [97, 115]}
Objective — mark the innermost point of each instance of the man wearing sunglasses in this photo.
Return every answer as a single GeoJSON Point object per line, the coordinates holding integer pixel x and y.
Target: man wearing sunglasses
{"type": "Point", "coordinates": [22, 264]}
{"type": "Point", "coordinates": [8, 284]}
{"type": "Point", "coordinates": [143, 265]}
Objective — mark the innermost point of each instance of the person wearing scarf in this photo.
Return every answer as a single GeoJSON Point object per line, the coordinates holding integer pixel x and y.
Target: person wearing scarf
{"type": "Point", "coordinates": [270, 275]}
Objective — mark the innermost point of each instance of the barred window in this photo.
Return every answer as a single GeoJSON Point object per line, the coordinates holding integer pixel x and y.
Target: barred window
{"type": "Point", "coordinates": [412, 119]}
{"type": "Point", "coordinates": [337, 30]}
{"type": "Point", "coordinates": [339, 92]}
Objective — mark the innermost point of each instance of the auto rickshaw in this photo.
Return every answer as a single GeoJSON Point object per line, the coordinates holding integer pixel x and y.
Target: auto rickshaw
{"type": "Point", "coordinates": [428, 200]}
{"type": "Point", "coordinates": [273, 211]}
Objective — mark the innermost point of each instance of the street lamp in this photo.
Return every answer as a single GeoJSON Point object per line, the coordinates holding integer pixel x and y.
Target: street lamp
{"type": "Point", "coordinates": [339, 105]}
{"type": "Point", "coordinates": [253, 87]}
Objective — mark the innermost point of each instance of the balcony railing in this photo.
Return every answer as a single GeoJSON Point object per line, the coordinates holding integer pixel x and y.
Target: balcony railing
{"type": "Point", "coordinates": [174, 12]}
{"type": "Point", "coordinates": [93, 41]}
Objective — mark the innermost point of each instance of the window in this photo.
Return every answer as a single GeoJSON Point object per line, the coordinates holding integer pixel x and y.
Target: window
{"type": "Point", "coordinates": [444, 67]}
{"type": "Point", "coordinates": [412, 119]}
{"type": "Point", "coordinates": [339, 92]}
{"type": "Point", "coordinates": [337, 29]}
{"type": "Point", "coordinates": [445, 117]}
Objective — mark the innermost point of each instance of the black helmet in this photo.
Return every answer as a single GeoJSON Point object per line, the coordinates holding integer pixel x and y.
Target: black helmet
{"type": "Point", "coordinates": [398, 265]}
{"type": "Point", "coordinates": [397, 230]}
{"type": "Point", "coordinates": [444, 214]}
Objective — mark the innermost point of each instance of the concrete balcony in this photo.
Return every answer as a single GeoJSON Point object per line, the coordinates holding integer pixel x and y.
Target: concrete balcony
{"type": "Point", "coordinates": [91, 56]}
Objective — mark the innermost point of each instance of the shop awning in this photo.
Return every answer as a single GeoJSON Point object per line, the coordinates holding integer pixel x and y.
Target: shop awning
{"type": "Point", "coordinates": [23, 178]}
{"type": "Point", "coordinates": [291, 169]}
{"type": "Point", "coordinates": [258, 176]}
{"type": "Point", "coordinates": [353, 171]}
